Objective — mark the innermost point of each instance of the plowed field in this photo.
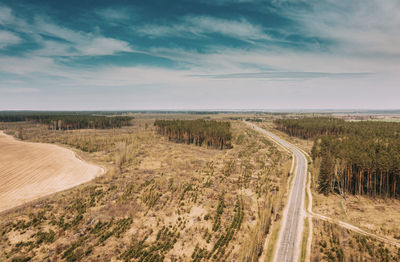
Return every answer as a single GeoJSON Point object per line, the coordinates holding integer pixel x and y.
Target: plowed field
{"type": "Point", "coordinates": [32, 170]}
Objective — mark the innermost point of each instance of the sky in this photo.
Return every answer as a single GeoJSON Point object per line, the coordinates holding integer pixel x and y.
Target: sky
{"type": "Point", "coordinates": [196, 55]}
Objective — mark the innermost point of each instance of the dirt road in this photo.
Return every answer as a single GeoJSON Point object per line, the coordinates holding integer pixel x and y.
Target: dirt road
{"type": "Point", "coordinates": [32, 170]}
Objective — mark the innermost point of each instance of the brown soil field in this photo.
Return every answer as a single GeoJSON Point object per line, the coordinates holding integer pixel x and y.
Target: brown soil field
{"type": "Point", "coordinates": [32, 170]}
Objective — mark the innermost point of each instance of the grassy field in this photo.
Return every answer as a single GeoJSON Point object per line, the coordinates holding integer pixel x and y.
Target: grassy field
{"type": "Point", "coordinates": [158, 200]}
{"type": "Point", "coordinates": [333, 243]}
{"type": "Point", "coordinates": [378, 216]}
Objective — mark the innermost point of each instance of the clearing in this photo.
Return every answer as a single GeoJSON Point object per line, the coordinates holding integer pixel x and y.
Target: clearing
{"type": "Point", "coordinates": [32, 170]}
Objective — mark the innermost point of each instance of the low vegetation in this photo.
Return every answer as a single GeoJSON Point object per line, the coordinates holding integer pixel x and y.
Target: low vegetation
{"type": "Point", "coordinates": [159, 201]}
{"type": "Point", "coordinates": [333, 243]}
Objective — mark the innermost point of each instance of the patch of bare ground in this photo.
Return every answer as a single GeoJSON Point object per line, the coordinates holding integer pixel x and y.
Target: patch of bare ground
{"type": "Point", "coordinates": [158, 201]}
{"type": "Point", "coordinates": [32, 170]}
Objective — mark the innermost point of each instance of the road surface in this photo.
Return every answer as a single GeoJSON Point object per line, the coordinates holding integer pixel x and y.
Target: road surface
{"type": "Point", "coordinates": [289, 241]}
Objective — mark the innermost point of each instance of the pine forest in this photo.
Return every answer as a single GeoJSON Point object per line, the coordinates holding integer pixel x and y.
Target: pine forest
{"type": "Point", "coordinates": [360, 158]}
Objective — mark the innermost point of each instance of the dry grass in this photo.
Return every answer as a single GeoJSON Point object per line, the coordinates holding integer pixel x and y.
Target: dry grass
{"type": "Point", "coordinates": [378, 216]}
{"type": "Point", "coordinates": [333, 243]}
{"type": "Point", "coordinates": [272, 241]}
{"type": "Point", "coordinates": [306, 232]}
{"type": "Point", "coordinates": [158, 200]}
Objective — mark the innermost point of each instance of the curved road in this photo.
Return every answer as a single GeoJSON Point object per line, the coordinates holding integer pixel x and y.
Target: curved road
{"type": "Point", "coordinates": [289, 241]}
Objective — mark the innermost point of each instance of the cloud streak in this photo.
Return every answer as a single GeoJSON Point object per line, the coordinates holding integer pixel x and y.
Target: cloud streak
{"type": "Point", "coordinates": [115, 14]}
{"type": "Point", "coordinates": [357, 27]}
{"type": "Point", "coordinates": [285, 75]}
{"type": "Point", "coordinates": [64, 41]}
{"type": "Point", "coordinates": [201, 26]}
{"type": "Point", "coordinates": [7, 38]}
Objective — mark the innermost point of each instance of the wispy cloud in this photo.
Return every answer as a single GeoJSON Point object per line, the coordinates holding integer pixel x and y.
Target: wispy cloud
{"type": "Point", "coordinates": [5, 15]}
{"type": "Point", "coordinates": [8, 38]}
{"type": "Point", "coordinates": [115, 14]}
{"type": "Point", "coordinates": [285, 75]}
{"type": "Point", "coordinates": [201, 26]}
{"type": "Point", "coordinates": [80, 43]}
{"type": "Point", "coordinates": [64, 41]}
{"type": "Point", "coordinates": [356, 27]}
{"type": "Point", "coordinates": [102, 46]}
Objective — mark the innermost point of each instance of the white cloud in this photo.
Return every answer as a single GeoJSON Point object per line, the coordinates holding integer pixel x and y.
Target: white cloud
{"type": "Point", "coordinates": [26, 65]}
{"type": "Point", "coordinates": [5, 15]}
{"type": "Point", "coordinates": [84, 43]}
{"type": "Point", "coordinates": [83, 47]}
{"type": "Point", "coordinates": [236, 28]}
{"type": "Point", "coordinates": [8, 19]}
{"type": "Point", "coordinates": [156, 88]}
{"type": "Point", "coordinates": [355, 27]}
{"type": "Point", "coordinates": [125, 76]}
{"type": "Point", "coordinates": [19, 90]}
{"type": "Point", "coordinates": [115, 14]}
{"type": "Point", "coordinates": [51, 48]}
{"type": "Point", "coordinates": [198, 26]}
{"type": "Point", "coordinates": [7, 38]}
{"type": "Point", "coordinates": [102, 46]}
{"type": "Point", "coordinates": [72, 42]}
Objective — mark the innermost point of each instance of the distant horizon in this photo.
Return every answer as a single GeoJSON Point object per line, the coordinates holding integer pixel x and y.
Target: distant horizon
{"type": "Point", "coordinates": [277, 110]}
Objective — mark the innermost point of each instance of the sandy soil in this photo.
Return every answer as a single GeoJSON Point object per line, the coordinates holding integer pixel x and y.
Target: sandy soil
{"type": "Point", "coordinates": [32, 170]}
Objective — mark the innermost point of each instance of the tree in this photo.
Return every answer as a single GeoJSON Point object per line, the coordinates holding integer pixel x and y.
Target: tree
{"type": "Point", "coordinates": [356, 157]}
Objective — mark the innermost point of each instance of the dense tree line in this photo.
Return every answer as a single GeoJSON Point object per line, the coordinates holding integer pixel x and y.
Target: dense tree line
{"type": "Point", "coordinates": [83, 122]}
{"type": "Point", "coordinates": [199, 132]}
{"type": "Point", "coordinates": [310, 127]}
{"type": "Point", "coordinates": [69, 122]}
{"type": "Point", "coordinates": [360, 158]}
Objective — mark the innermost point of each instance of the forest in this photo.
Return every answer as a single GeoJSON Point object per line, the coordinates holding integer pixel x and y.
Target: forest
{"type": "Point", "coordinates": [360, 158]}
{"type": "Point", "coordinates": [68, 121]}
{"type": "Point", "coordinates": [307, 128]}
{"type": "Point", "coordinates": [200, 132]}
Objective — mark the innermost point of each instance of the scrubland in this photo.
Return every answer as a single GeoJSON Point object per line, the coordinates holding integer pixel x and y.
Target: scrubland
{"type": "Point", "coordinates": [158, 200]}
{"type": "Point", "coordinates": [334, 243]}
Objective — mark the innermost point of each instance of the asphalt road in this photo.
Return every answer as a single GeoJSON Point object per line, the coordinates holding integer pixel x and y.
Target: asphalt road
{"type": "Point", "coordinates": [289, 241]}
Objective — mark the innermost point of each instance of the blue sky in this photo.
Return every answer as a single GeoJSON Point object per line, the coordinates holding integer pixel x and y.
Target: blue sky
{"type": "Point", "coordinates": [221, 54]}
